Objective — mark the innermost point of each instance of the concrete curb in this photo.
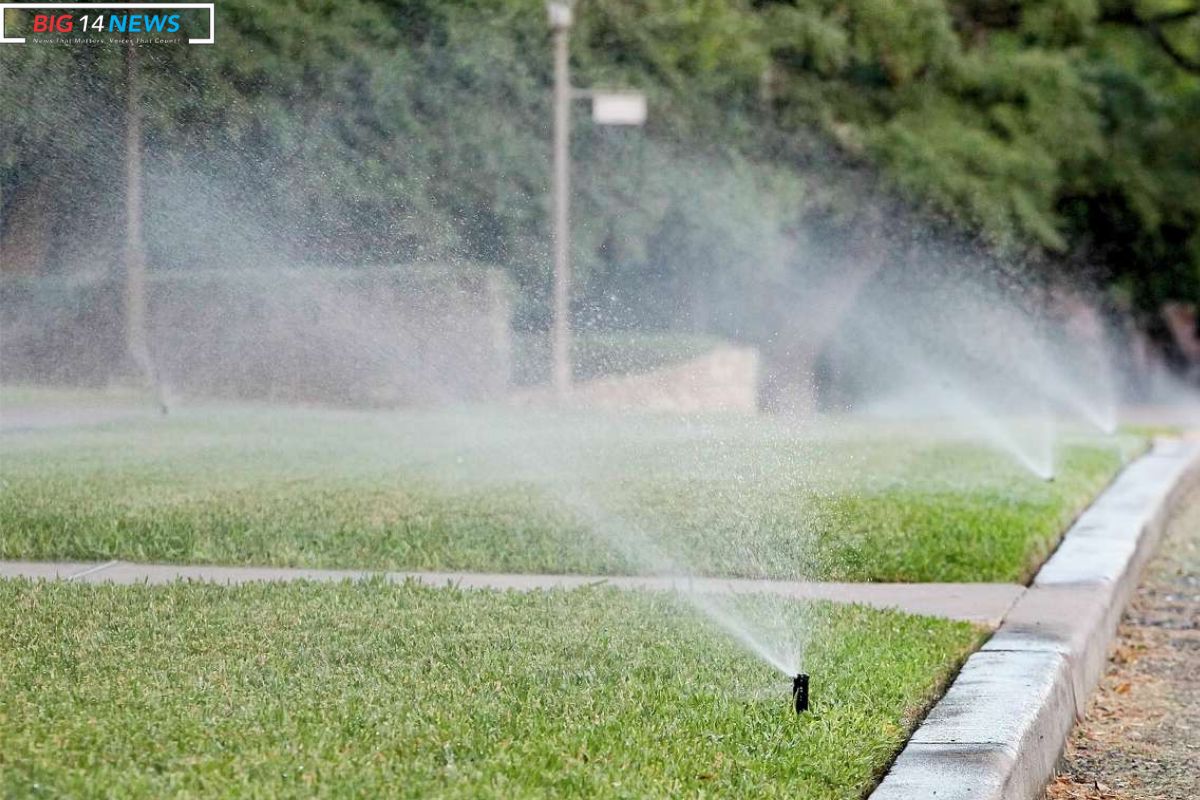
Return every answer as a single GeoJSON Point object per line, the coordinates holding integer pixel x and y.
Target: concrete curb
{"type": "Point", "coordinates": [1001, 727]}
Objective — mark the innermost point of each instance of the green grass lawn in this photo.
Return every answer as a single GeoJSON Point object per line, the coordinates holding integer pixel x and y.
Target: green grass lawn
{"type": "Point", "coordinates": [505, 490]}
{"type": "Point", "coordinates": [370, 690]}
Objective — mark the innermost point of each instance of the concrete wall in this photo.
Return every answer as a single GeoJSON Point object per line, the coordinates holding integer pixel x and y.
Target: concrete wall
{"type": "Point", "coordinates": [356, 337]}
{"type": "Point", "coordinates": [724, 379]}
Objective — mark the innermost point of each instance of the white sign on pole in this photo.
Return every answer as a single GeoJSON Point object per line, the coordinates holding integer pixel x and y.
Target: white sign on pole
{"type": "Point", "coordinates": [619, 108]}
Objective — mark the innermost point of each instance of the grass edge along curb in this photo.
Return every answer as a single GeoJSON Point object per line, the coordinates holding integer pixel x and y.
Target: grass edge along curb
{"type": "Point", "coordinates": [1000, 728]}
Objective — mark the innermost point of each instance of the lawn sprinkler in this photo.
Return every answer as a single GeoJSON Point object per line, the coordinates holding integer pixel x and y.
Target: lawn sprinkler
{"type": "Point", "coordinates": [800, 692]}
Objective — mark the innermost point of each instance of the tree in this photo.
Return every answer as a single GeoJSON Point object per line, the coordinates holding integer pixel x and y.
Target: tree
{"type": "Point", "coordinates": [1062, 132]}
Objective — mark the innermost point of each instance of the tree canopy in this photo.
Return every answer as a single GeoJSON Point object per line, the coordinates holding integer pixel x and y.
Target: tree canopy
{"type": "Point", "coordinates": [1065, 132]}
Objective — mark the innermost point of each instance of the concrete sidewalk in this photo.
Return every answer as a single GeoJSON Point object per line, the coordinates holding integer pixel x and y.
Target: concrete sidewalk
{"type": "Point", "coordinates": [17, 420]}
{"type": "Point", "coordinates": [982, 603]}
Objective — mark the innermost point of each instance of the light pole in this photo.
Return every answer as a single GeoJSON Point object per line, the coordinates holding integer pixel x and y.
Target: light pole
{"type": "Point", "coordinates": [136, 337]}
{"type": "Point", "coordinates": [135, 251]}
{"type": "Point", "coordinates": [608, 108]}
{"type": "Point", "coordinates": [560, 14]}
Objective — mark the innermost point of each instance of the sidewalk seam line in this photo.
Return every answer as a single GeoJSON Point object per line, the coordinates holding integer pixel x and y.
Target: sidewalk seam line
{"type": "Point", "coordinates": [94, 569]}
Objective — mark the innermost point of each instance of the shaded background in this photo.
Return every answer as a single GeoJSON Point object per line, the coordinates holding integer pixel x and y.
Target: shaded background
{"type": "Point", "coordinates": [798, 156]}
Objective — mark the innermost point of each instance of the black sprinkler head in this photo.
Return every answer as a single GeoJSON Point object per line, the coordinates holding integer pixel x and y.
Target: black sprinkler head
{"type": "Point", "coordinates": [800, 692]}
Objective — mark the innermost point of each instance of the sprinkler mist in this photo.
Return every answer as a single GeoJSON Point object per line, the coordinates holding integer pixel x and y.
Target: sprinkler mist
{"type": "Point", "coordinates": [800, 692]}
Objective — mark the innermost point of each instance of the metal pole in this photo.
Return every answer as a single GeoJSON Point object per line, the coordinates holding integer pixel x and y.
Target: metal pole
{"type": "Point", "coordinates": [136, 340]}
{"type": "Point", "coordinates": [561, 342]}
{"type": "Point", "coordinates": [135, 256]}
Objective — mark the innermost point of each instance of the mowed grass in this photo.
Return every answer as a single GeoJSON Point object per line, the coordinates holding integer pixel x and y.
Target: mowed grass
{"type": "Point", "coordinates": [375, 689]}
{"type": "Point", "coordinates": [535, 491]}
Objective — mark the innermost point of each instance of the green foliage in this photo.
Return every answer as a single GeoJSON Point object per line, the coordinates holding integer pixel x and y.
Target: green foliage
{"type": "Point", "coordinates": [401, 130]}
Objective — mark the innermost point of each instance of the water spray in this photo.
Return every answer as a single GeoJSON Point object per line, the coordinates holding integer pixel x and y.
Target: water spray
{"type": "Point", "coordinates": [800, 692]}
